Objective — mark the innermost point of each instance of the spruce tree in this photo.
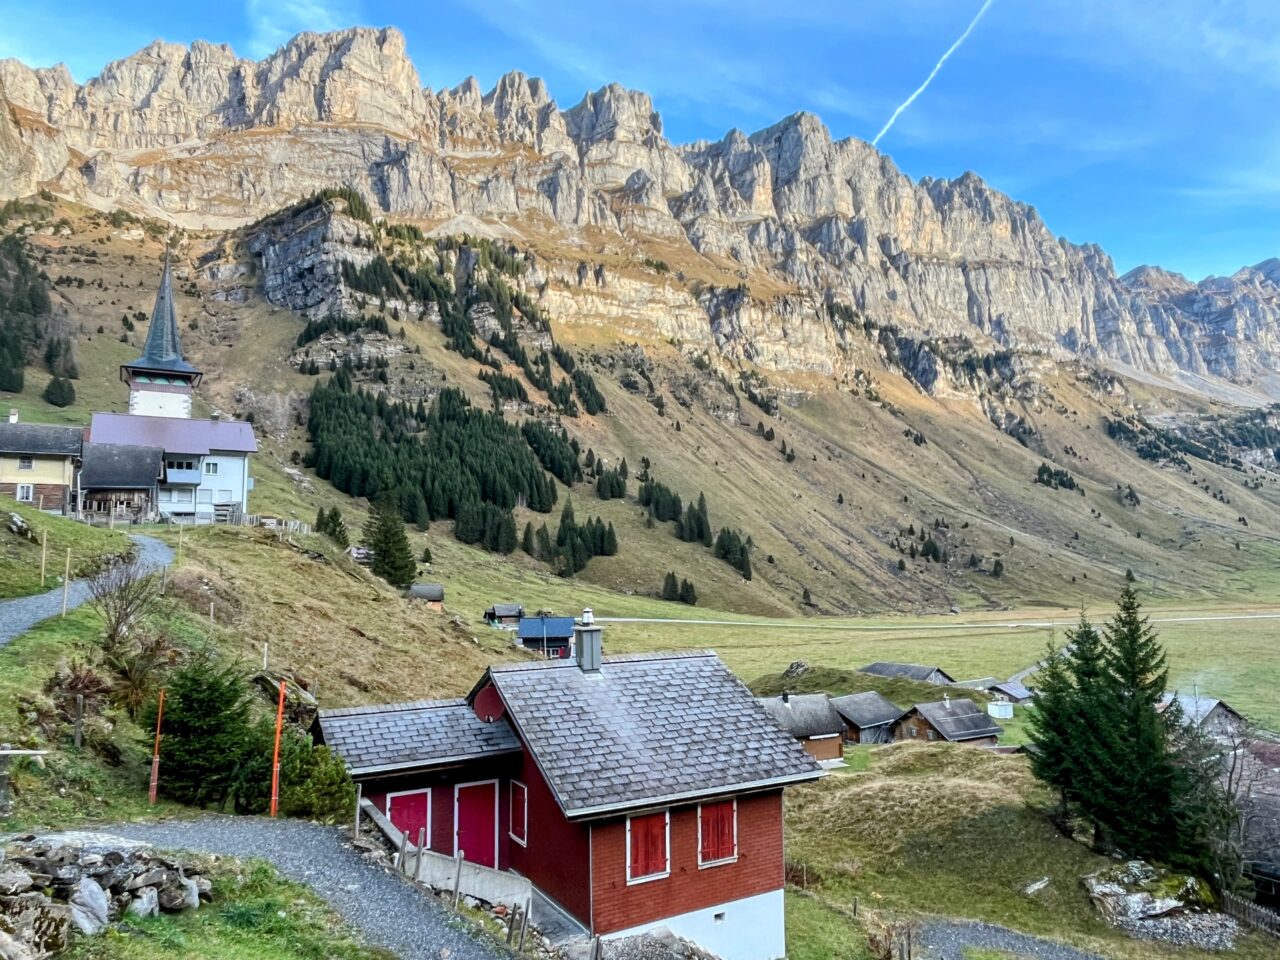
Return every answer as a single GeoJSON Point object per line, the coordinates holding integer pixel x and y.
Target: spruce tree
{"type": "Point", "coordinates": [526, 541]}
{"type": "Point", "coordinates": [687, 593]}
{"type": "Point", "coordinates": [1142, 771]}
{"type": "Point", "coordinates": [670, 588]}
{"type": "Point", "coordinates": [392, 556]}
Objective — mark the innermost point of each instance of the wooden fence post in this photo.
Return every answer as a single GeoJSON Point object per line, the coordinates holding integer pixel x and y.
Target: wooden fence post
{"type": "Point", "coordinates": [44, 555]}
{"type": "Point", "coordinates": [417, 863]}
{"type": "Point", "coordinates": [524, 921]}
{"type": "Point", "coordinates": [512, 919]}
{"type": "Point", "coordinates": [79, 727]}
{"type": "Point", "coordinates": [155, 758]}
{"type": "Point", "coordinates": [355, 830]}
{"type": "Point", "coordinates": [4, 778]}
{"type": "Point", "coordinates": [457, 877]}
{"type": "Point", "coordinates": [66, 582]}
{"type": "Point", "coordinates": [164, 579]}
{"type": "Point", "coordinates": [401, 864]}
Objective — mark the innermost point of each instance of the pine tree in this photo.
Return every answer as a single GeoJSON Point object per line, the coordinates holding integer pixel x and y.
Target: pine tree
{"type": "Point", "coordinates": [421, 516]}
{"type": "Point", "coordinates": [687, 593]}
{"type": "Point", "coordinates": [392, 556]}
{"type": "Point", "coordinates": [60, 392]}
{"type": "Point", "coordinates": [610, 541]}
{"type": "Point", "coordinates": [670, 587]}
{"type": "Point", "coordinates": [526, 541]}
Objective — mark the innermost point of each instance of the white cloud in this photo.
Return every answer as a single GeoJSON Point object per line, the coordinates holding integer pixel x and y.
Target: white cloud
{"type": "Point", "coordinates": [273, 22]}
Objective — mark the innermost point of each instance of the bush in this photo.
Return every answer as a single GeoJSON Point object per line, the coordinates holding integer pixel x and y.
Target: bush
{"type": "Point", "coordinates": [60, 392]}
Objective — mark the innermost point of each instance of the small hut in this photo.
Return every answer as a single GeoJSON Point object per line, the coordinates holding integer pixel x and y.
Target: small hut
{"type": "Point", "coordinates": [432, 594]}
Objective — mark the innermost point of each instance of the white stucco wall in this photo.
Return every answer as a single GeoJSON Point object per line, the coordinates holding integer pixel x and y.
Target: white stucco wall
{"type": "Point", "coordinates": [147, 403]}
{"type": "Point", "coordinates": [753, 928]}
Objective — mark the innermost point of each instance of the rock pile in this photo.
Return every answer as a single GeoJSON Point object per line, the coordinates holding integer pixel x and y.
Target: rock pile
{"type": "Point", "coordinates": [55, 885]}
{"type": "Point", "coordinates": [1151, 904]}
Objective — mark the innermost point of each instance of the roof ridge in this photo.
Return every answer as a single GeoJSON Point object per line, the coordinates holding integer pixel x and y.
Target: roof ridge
{"type": "Point", "coordinates": [407, 706]}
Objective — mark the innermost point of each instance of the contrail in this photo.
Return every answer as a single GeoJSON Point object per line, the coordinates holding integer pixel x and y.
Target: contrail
{"type": "Point", "coordinates": [932, 73]}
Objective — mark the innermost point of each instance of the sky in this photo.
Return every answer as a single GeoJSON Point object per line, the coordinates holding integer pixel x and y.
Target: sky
{"type": "Point", "coordinates": [1146, 126]}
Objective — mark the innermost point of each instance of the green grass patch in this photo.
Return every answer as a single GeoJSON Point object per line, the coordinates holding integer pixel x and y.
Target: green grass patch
{"type": "Point", "coordinates": [255, 915]}
{"type": "Point", "coordinates": [816, 931]}
{"type": "Point", "coordinates": [20, 558]}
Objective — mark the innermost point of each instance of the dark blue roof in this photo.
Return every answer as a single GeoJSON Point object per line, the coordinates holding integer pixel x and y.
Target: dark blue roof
{"type": "Point", "coordinates": [535, 628]}
{"type": "Point", "coordinates": [163, 349]}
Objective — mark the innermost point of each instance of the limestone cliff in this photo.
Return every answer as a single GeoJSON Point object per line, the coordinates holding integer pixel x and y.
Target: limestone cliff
{"type": "Point", "coordinates": [205, 138]}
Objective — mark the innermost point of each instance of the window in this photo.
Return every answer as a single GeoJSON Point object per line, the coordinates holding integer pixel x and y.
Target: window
{"type": "Point", "coordinates": [648, 847]}
{"type": "Point", "coordinates": [210, 468]}
{"type": "Point", "coordinates": [519, 825]}
{"type": "Point", "coordinates": [26, 463]}
{"type": "Point", "coordinates": [26, 493]}
{"type": "Point", "coordinates": [184, 495]}
{"type": "Point", "coordinates": [913, 731]}
{"type": "Point", "coordinates": [717, 833]}
{"type": "Point", "coordinates": [931, 734]}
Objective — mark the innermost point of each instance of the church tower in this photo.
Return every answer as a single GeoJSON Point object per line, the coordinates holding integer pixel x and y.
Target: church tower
{"type": "Point", "coordinates": [161, 381]}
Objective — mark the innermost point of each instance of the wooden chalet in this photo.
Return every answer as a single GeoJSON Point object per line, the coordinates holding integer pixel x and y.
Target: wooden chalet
{"type": "Point", "coordinates": [628, 792]}
{"type": "Point", "coordinates": [811, 719]}
{"type": "Point", "coordinates": [953, 719]}
{"type": "Point", "coordinates": [504, 615]}
{"type": "Point", "coordinates": [868, 717]}
{"type": "Point", "coordinates": [121, 481]}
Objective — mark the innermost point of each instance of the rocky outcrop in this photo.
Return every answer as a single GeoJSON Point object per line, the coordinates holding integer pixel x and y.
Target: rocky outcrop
{"type": "Point", "coordinates": [203, 137]}
{"type": "Point", "coordinates": [1155, 905]}
{"type": "Point", "coordinates": [54, 886]}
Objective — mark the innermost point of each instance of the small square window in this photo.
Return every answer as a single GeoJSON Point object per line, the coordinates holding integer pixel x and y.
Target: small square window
{"type": "Point", "coordinates": [26, 493]}
{"type": "Point", "coordinates": [210, 468]}
{"type": "Point", "coordinates": [26, 463]}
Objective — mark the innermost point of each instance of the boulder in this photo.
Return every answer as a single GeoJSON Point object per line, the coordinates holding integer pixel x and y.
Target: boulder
{"type": "Point", "coordinates": [11, 949]}
{"type": "Point", "coordinates": [153, 877]}
{"type": "Point", "coordinates": [182, 894]}
{"type": "Point", "coordinates": [42, 925]}
{"type": "Point", "coordinates": [145, 903]}
{"type": "Point", "coordinates": [90, 907]}
{"type": "Point", "coordinates": [14, 880]}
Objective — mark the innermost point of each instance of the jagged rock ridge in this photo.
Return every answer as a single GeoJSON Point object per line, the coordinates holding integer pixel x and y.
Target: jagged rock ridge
{"type": "Point", "coordinates": [206, 138]}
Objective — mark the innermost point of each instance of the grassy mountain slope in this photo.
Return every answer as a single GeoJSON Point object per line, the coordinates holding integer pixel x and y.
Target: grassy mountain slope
{"type": "Point", "coordinates": [20, 556]}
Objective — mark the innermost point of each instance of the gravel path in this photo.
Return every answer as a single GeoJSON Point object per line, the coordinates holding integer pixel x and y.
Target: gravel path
{"type": "Point", "coordinates": [391, 911]}
{"type": "Point", "coordinates": [947, 939]}
{"type": "Point", "coordinates": [20, 615]}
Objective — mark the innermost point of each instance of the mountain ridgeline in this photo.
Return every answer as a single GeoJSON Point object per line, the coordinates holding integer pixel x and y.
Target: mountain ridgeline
{"type": "Point", "coordinates": [752, 238]}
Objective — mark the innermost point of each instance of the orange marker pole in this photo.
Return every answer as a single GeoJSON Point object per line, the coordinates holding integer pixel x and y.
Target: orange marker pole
{"type": "Point", "coordinates": [155, 756]}
{"type": "Point", "coordinates": [275, 763]}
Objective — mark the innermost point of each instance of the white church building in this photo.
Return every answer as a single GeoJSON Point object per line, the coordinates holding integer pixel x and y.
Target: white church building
{"type": "Point", "coordinates": [205, 474]}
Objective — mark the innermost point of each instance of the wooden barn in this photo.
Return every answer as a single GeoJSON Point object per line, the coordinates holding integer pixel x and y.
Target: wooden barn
{"type": "Point", "coordinates": [868, 717]}
{"type": "Point", "coordinates": [955, 720]}
{"type": "Point", "coordinates": [811, 719]}
{"type": "Point", "coordinates": [121, 481]}
{"type": "Point", "coordinates": [432, 594]}
{"type": "Point", "coordinates": [506, 615]}
{"type": "Point", "coordinates": [909, 671]}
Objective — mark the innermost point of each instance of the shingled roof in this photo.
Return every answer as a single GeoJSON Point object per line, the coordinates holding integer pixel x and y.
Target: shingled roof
{"type": "Point", "coordinates": [804, 715]}
{"type": "Point", "coordinates": [870, 709]}
{"type": "Point", "coordinates": [911, 671]}
{"type": "Point", "coordinates": [645, 730]}
{"type": "Point", "coordinates": [412, 736]}
{"type": "Point", "coordinates": [118, 466]}
{"type": "Point", "coordinates": [959, 719]}
{"type": "Point", "coordinates": [38, 439]}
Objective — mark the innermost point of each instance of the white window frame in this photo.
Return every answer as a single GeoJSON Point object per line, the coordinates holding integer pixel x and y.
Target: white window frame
{"type": "Point", "coordinates": [26, 462]}
{"type": "Point", "coordinates": [511, 811]}
{"type": "Point", "coordinates": [211, 468]}
{"type": "Point", "coordinates": [648, 878]}
{"type": "Point", "coordinates": [31, 493]}
{"type": "Point", "coordinates": [703, 864]}
{"type": "Point", "coordinates": [430, 811]}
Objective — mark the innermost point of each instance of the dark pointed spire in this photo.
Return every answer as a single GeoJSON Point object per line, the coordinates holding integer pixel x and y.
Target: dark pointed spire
{"type": "Point", "coordinates": [163, 349]}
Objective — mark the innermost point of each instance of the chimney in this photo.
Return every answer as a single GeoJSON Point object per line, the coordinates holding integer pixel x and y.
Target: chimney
{"type": "Point", "coordinates": [786, 696]}
{"type": "Point", "coordinates": [13, 414]}
{"type": "Point", "coordinates": [587, 642]}
{"type": "Point", "coordinates": [946, 700]}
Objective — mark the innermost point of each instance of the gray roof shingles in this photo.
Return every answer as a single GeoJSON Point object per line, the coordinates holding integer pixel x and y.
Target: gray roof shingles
{"type": "Point", "coordinates": [959, 719]}
{"type": "Point", "coordinates": [804, 715]}
{"type": "Point", "coordinates": [646, 730]}
{"type": "Point", "coordinates": [912, 671]}
{"type": "Point", "coordinates": [162, 351]}
{"type": "Point", "coordinates": [117, 466]}
{"type": "Point", "coordinates": [38, 439]}
{"type": "Point", "coordinates": [870, 709]}
{"type": "Point", "coordinates": [407, 736]}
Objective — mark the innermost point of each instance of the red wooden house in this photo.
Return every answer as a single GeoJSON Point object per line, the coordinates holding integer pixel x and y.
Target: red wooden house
{"type": "Point", "coordinates": [633, 791]}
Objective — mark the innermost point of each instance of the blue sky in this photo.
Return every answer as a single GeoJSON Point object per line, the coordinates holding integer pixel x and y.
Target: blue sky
{"type": "Point", "coordinates": [1147, 126]}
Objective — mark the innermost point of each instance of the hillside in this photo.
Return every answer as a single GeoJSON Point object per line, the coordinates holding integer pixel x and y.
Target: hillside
{"type": "Point", "coordinates": [924, 442]}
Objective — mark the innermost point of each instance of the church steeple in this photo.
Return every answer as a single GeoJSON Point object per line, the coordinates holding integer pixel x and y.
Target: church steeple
{"type": "Point", "coordinates": [161, 381]}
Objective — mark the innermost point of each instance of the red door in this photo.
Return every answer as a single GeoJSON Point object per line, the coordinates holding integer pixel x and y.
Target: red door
{"type": "Point", "coordinates": [411, 812]}
{"type": "Point", "coordinates": [476, 822]}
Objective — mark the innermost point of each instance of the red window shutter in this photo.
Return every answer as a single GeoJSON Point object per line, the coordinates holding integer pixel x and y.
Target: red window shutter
{"type": "Point", "coordinates": [717, 826]}
{"type": "Point", "coordinates": [648, 845]}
